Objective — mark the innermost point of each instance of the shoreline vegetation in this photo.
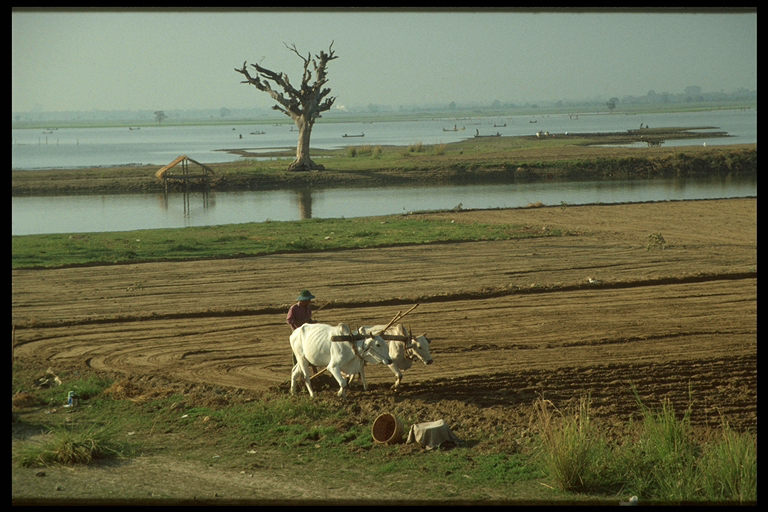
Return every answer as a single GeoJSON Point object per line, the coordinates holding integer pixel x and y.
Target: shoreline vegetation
{"type": "Point", "coordinates": [555, 157]}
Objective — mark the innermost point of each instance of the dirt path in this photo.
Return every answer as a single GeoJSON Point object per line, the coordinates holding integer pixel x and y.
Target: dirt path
{"type": "Point", "coordinates": [509, 320]}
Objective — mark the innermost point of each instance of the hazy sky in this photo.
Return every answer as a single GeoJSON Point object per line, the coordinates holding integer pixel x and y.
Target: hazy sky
{"type": "Point", "coordinates": [121, 60]}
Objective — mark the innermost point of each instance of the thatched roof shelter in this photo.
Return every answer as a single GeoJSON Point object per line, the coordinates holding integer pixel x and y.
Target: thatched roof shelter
{"type": "Point", "coordinates": [163, 173]}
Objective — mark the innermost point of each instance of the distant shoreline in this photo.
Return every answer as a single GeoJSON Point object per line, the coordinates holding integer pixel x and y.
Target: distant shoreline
{"type": "Point", "coordinates": [335, 117]}
{"type": "Point", "coordinates": [484, 160]}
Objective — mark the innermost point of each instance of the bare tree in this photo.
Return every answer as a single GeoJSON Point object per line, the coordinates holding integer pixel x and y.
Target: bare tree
{"type": "Point", "coordinates": [303, 104]}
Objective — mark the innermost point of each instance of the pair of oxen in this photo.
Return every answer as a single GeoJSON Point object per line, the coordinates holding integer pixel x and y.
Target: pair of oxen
{"type": "Point", "coordinates": [344, 353]}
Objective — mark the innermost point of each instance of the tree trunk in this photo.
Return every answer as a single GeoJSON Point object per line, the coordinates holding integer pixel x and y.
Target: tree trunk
{"type": "Point", "coordinates": [303, 162]}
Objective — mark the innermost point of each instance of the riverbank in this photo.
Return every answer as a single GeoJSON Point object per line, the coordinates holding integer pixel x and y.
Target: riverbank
{"type": "Point", "coordinates": [558, 157]}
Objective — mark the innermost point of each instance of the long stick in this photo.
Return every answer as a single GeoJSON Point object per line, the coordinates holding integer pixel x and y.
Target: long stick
{"type": "Point", "coordinates": [318, 373]}
{"type": "Point", "coordinates": [318, 310]}
{"type": "Point", "coordinates": [397, 318]}
{"type": "Point", "coordinates": [400, 316]}
{"type": "Point", "coordinates": [394, 319]}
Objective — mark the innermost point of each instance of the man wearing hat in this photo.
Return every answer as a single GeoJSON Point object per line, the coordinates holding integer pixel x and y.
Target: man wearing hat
{"type": "Point", "coordinates": [301, 313]}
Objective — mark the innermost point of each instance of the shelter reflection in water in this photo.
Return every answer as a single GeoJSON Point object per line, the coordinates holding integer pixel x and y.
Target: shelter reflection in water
{"type": "Point", "coordinates": [189, 198]}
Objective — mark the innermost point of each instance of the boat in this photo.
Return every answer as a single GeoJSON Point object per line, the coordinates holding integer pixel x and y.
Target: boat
{"type": "Point", "coordinates": [361, 135]}
{"type": "Point", "coordinates": [132, 128]}
{"type": "Point", "coordinates": [258, 133]}
{"type": "Point", "coordinates": [500, 125]}
{"type": "Point", "coordinates": [454, 129]}
{"type": "Point", "coordinates": [477, 134]}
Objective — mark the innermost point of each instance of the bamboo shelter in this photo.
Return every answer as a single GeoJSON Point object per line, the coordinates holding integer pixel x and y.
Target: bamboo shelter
{"type": "Point", "coordinates": [171, 172]}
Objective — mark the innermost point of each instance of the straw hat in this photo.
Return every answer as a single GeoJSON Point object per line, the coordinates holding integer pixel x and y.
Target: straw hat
{"type": "Point", "coordinates": [305, 295]}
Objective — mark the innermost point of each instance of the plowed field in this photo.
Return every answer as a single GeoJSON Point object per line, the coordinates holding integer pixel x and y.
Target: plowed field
{"type": "Point", "coordinates": [509, 321]}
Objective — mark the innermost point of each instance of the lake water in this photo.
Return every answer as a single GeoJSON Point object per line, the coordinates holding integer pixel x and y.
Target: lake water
{"type": "Point", "coordinates": [160, 145]}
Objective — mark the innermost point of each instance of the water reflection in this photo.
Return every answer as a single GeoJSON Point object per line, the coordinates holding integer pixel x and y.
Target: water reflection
{"type": "Point", "coordinates": [79, 214]}
{"type": "Point", "coordinates": [187, 196]}
{"type": "Point", "coordinates": [305, 203]}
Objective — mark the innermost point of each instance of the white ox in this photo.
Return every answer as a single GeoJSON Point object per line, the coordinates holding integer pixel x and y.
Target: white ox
{"type": "Point", "coordinates": [313, 344]}
{"type": "Point", "coordinates": [404, 349]}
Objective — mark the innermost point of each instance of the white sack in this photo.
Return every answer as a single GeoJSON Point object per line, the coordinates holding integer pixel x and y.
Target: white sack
{"type": "Point", "coordinates": [431, 434]}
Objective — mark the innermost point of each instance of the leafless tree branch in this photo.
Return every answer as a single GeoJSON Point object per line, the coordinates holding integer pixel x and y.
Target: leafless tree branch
{"type": "Point", "coordinates": [303, 105]}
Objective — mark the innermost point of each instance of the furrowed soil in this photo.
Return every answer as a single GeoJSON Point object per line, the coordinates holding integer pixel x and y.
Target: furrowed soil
{"type": "Point", "coordinates": [608, 306]}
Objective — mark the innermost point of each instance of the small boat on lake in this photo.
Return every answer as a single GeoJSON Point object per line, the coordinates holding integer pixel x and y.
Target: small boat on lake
{"type": "Point", "coordinates": [361, 135]}
{"type": "Point", "coordinates": [477, 134]}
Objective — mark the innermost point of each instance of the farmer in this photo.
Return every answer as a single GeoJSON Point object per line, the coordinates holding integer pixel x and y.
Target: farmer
{"type": "Point", "coordinates": [301, 312]}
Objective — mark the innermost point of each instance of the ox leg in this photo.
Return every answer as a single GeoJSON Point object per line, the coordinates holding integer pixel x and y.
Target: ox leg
{"type": "Point", "coordinates": [294, 377]}
{"type": "Point", "coordinates": [296, 374]}
{"type": "Point", "coordinates": [398, 376]}
{"type": "Point", "coordinates": [336, 372]}
{"type": "Point", "coordinates": [362, 378]}
{"type": "Point", "coordinates": [303, 367]}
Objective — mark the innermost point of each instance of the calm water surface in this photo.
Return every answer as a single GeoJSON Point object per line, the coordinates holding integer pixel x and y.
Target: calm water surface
{"type": "Point", "coordinates": [74, 214]}
{"type": "Point", "coordinates": [72, 148]}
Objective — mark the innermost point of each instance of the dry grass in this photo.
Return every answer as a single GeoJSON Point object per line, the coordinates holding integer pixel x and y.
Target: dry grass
{"type": "Point", "coordinates": [24, 399]}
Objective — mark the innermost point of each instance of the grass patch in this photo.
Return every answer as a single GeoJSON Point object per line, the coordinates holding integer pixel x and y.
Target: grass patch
{"type": "Point", "coordinates": [729, 468]}
{"type": "Point", "coordinates": [667, 462]}
{"type": "Point", "coordinates": [236, 240]}
{"type": "Point", "coordinates": [573, 451]}
{"type": "Point", "coordinates": [73, 445]}
{"type": "Point", "coordinates": [281, 435]}
{"type": "Point", "coordinates": [489, 159]}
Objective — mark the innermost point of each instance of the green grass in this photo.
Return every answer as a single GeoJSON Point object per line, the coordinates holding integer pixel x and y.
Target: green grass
{"type": "Point", "coordinates": [73, 445]}
{"type": "Point", "coordinates": [662, 461]}
{"type": "Point", "coordinates": [573, 450]}
{"type": "Point", "coordinates": [665, 463]}
{"type": "Point", "coordinates": [237, 240]}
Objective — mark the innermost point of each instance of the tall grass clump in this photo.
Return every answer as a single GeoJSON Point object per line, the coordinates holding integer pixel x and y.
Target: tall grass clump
{"type": "Point", "coordinates": [664, 460]}
{"type": "Point", "coordinates": [417, 147]}
{"type": "Point", "coordinates": [573, 451]}
{"type": "Point", "coordinates": [667, 463]}
{"type": "Point", "coordinates": [70, 445]}
{"type": "Point", "coordinates": [729, 468]}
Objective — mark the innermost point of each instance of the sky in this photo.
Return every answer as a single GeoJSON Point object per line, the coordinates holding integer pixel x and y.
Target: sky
{"type": "Point", "coordinates": [185, 59]}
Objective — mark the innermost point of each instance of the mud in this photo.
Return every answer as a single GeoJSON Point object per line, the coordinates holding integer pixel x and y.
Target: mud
{"type": "Point", "coordinates": [606, 308]}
